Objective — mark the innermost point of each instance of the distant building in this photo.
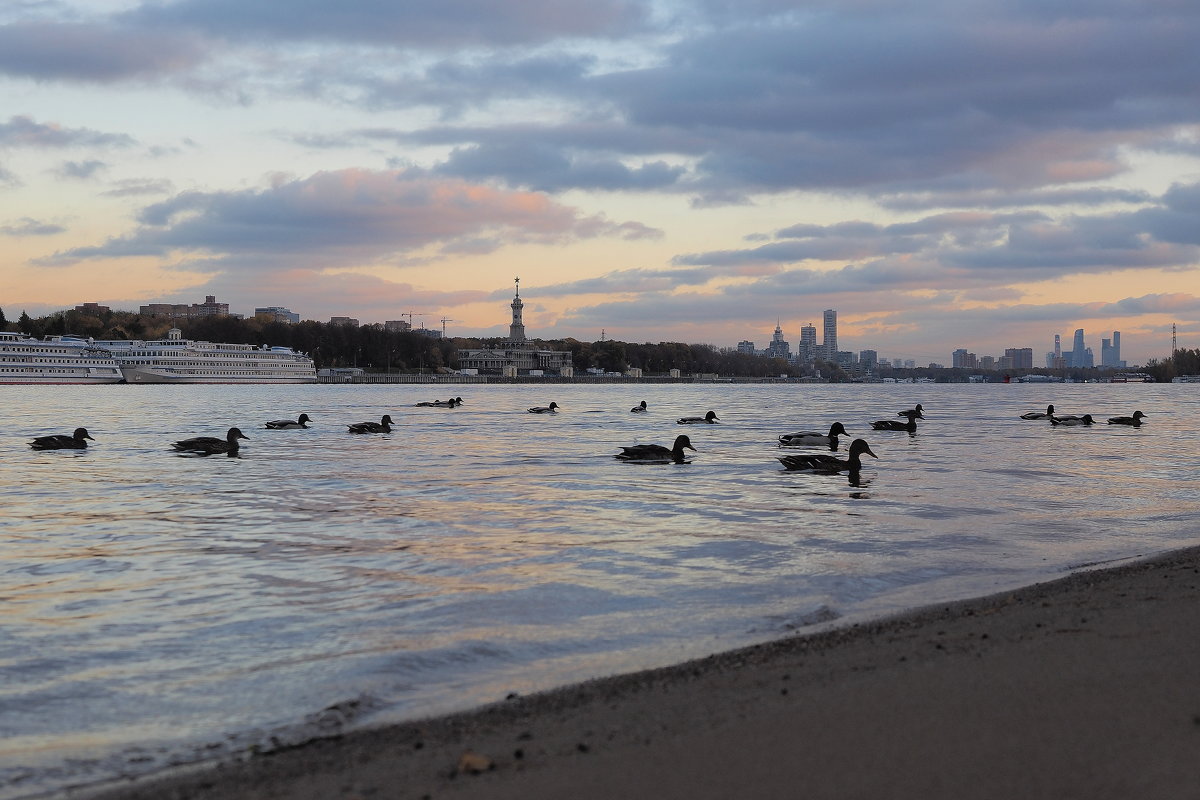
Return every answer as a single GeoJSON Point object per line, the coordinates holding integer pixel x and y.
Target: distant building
{"type": "Point", "coordinates": [829, 342]}
{"type": "Point", "coordinates": [779, 347]}
{"type": "Point", "coordinates": [961, 359]}
{"type": "Point", "coordinates": [868, 359]}
{"type": "Point", "coordinates": [514, 356]}
{"type": "Point", "coordinates": [209, 308]}
{"type": "Point", "coordinates": [808, 344]}
{"type": "Point", "coordinates": [92, 309]}
{"type": "Point", "coordinates": [351, 321]}
{"type": "Point", "coordinates": [746, 347]}
{"type": "Point", "coordinates": [397, 326]}
{"type": "Point", "coordinates": [1019, 358]}
{"type": "Point", "coordinates": [276, 314]}
{"type": "Point", "coordinates": [1110, 351]}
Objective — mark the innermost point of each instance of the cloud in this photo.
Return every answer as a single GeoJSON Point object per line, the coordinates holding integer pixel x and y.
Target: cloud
{"type": "Point", "coordinates": [418, 23]}
{"type": "Point", "coordinates": [81, 170]}
{"type": "Point", "coordinates": [24, 131]}
{"type": "Point", "coordinates": [27, 226]}
{"type": "Point", "coordinates": [348, 217]}
{"type": "Point", "coordinates": [93, 52]}
{"type": "Point", "coordinates": [136, 187]}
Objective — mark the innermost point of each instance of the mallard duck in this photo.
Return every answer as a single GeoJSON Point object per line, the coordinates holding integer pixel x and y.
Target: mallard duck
{"type": "Point", "coordinates": [383, 426]}
{"type": "Point", "coordinates": [824, 462]}
{"type": "Point", "coordinates": [893, 425]}
{"type": "Point", "coordinates": [917, 408]}
{"type": "Point", "coordinates": [1038, 414]}
{"type": "Point", "coordinates": [814, 438]}
{"type": "Point", "coordinates": [656, 452]}
{"type": "Point", "coordinates": [451, 403]}
{"type": "Point", "coordinates": [1135, 420]}
{"type": "Point", "coordinates": [639, 408]}
{"type": "Point", "coordinates": [1086, 419]}
{"type": "Point", "coordinates": [289, 424]}
{"type": "Point", "coordinates": [550, 409]}
{"type": "Point", "coordinates": [211, 445]}
{"type": "Point", "coordinates": [711, 418]}
{"type": "Point", "coordinates": [76, 441]}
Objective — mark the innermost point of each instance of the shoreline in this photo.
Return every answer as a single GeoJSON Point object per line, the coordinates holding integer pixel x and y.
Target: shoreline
{"type": "Point", "coordinates": [1083, 686]}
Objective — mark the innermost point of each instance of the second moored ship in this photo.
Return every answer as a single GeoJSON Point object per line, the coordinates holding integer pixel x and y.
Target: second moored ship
{"type": "Point", "coordinates": [179, 360]}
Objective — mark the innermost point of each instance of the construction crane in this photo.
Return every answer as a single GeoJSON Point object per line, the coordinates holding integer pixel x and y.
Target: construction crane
{"type": "Point", "coordinates": [444, 321]}
{"type": "Point", "coordinates": [410, 315]}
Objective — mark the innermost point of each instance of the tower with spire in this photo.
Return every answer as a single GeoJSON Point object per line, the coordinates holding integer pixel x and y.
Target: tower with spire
{"type": "Point", "coordinates": [516, 331]}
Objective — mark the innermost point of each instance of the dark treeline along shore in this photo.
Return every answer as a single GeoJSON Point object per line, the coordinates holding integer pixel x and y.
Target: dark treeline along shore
{"type": "Point", "coordinates": [375, 349]}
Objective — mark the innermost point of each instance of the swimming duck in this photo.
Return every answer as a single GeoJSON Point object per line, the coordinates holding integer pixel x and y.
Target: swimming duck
{"type": "Point", "coordinates": [824, 462]}
{"type": "Point", "coordinates": [656, 452]}
{"type": "Point", "coordinates": [550, 409]}
{"type": "Point", "coordinates": [211, 445]}
{"type": "Point", "coordinates": [1038, 414]}
{"type": "Point", "coordinates": [916, 408]}
{"type": "Point", "coordinates": [711, 417]}
{"type": "Point", "coordinates": [451, 403]}
{"type": "Point", "coordinates": [76, 441]}
{"type": "Point", "coordinates": [639, 408]}
{"type": "Point", "coordinates": [893, 425]}
{"type": "Point", "coordinates": [1135, 420]}
{"type": "Point", "coordinates": [1086, 419]}
{"type": "Point", "coordinates": [383, 426]}
{"type": "Point", "coordinates": [814, 438]}
{"type": "Point", "coordinates": [289, 424]}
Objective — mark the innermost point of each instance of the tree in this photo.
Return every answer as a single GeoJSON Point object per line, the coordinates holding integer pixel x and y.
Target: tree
{"type": "Point", "coordinates": [26, 324]}
{"type": "Point", "coordinates": [3, 321]}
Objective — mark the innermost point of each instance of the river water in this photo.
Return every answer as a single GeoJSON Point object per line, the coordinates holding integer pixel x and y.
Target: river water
{"type": "Point", "coordinates": [160, 610]}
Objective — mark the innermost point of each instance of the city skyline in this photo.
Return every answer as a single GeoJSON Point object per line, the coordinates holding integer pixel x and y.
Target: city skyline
{"type": "Point", "coordinates": [659, 171]}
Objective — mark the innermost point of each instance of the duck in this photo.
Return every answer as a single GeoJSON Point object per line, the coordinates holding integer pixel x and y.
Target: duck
{"type": "Point", "coordinates": [814, 438]}
{"type": "Point", "coordinates": [1039, 415]}
{"type": "Point", "coordinates": [383, 426]}
{"type": "Point", "coordinates": [1086, 419]}
{"type": "Point", "coordinates": [656, 452]}
{"type": "Point", "coordinates": [1135, 420]}
{"type": "Point", "coordinates": [451, 403]}
{"type": "Point", "coordinates": [917, 408]}
{"type": "Point", "coordinates": [76, 441]}
{"type": "Point", "coordinates": [290, 424]}
{"type": "Point", "coordinates": [824, 462]}
{"type": "Point", "coordinates": [710, 418]}
{"type": "Point", "coordinates": [211, 445]}
{"type": "Point", "coordinates": [550, 409]}
{"type": "Point", "coordinates": [639, 408]}
{"type": "Point", "coordinates": [893, 425]}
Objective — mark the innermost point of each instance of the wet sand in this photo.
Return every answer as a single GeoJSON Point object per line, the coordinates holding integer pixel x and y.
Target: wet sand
{"type": "Point", "coordinates": [1084, 687]}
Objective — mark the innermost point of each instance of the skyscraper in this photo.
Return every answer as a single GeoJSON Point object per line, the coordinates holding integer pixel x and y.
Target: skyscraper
{"type": "Point", "coordinates": [1080, 355]}
{"type": "Point", "coordinates": [829, 344]}
{"type": "Point", "coordinates": [779, 348]}
{"type": "Point", "coordinates": [808, 343]}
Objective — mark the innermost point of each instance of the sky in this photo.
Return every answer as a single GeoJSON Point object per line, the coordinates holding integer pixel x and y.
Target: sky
{"type": "Point", "coordinates": [944, 173]}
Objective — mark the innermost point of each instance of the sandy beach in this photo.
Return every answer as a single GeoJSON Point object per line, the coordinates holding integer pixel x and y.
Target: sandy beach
{"type": "Point", "coordinates": [1083, 687]}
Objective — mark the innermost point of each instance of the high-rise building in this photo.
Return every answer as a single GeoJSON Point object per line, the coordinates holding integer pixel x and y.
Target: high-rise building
{"type": "Point", "coordinates": [808, 343]}
{"type": "Point", "coordinates": [746, 347]}
{"type": "Point", "coordinates": [779, 347]}
{"type": "Point", "coordinates": [1019, 357]}
{"type": "Point", "coordinates": [961, 359]}
{"type": "Point", "coordinates": [1080, 354]}
{"type": "Point", "coordinates": [829, 343]}
{"type": "Point", "coordinates": [868, 359]}
{"type": "Point", "coordinates": [1110, 351]}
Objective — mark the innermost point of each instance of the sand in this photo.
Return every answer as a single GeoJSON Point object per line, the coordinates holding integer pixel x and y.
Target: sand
{"type": "Point", "coordinates": [1084, 687]}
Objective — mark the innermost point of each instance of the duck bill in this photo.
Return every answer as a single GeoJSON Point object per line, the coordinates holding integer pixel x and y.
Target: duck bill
{"type": "Point", "coordinates": [869, 452]}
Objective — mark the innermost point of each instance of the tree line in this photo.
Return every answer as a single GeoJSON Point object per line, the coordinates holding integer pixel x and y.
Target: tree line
{"type": "Point", "coordinates": [375, 349]}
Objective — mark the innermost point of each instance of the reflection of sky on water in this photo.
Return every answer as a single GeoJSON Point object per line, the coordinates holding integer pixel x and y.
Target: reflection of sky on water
{"type": "Point", "coordinates": [482, 550]}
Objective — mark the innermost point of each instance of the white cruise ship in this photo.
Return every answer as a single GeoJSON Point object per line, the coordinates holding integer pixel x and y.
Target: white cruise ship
{"type": "Point", "coordinates": [179, 360]}
{"type": "Point", "coordinates": [55, 359]}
